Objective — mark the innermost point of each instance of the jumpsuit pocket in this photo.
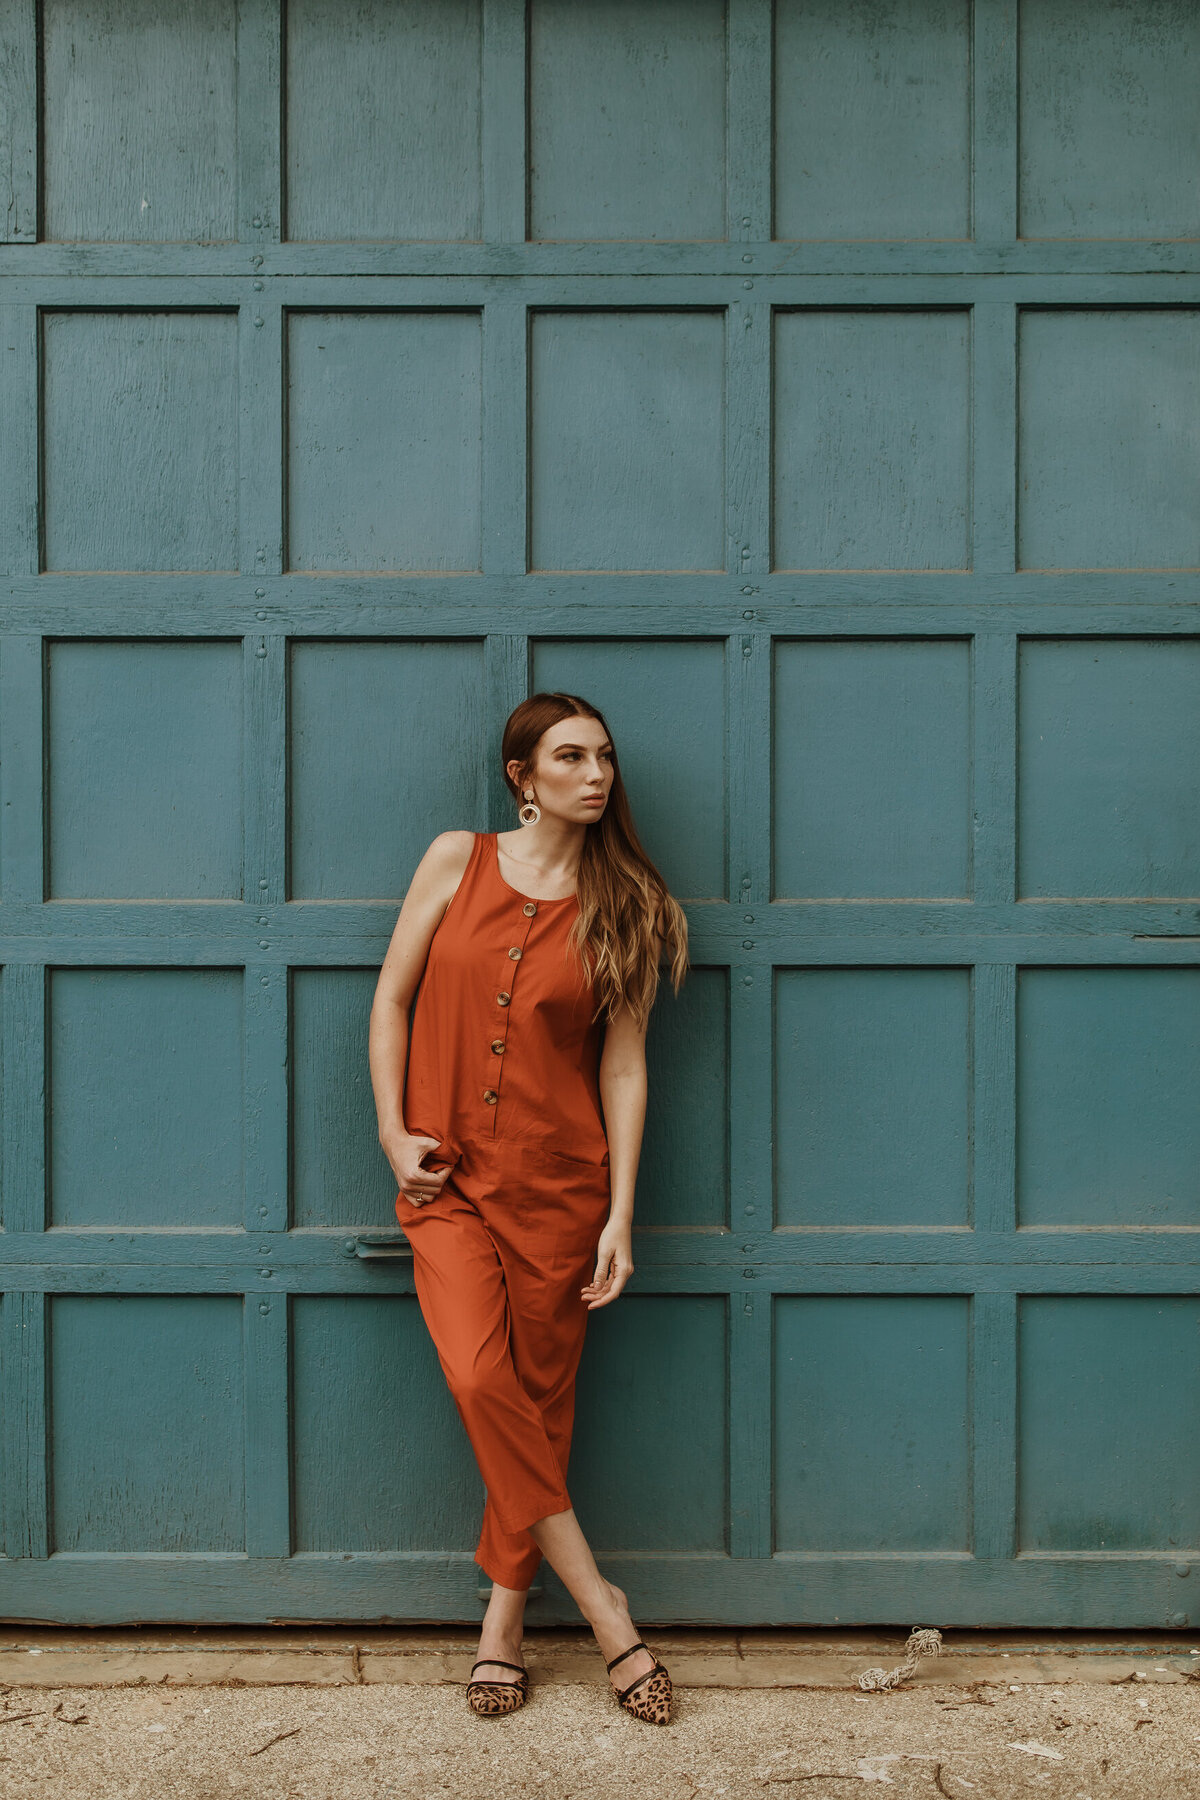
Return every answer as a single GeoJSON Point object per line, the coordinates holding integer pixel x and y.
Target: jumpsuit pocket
{"type": "Point", "coordinates": [445, 1156]}
{"type": "Point", "coordinates": [580, 1164]}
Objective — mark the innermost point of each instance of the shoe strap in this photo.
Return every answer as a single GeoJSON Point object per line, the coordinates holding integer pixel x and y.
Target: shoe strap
{"type": "Point", "coordinates": [624, 1693]}
{"type": "Point", "coordinates": [500, 1664]}
{"type": "Point", "coordinates": [638, 1646]}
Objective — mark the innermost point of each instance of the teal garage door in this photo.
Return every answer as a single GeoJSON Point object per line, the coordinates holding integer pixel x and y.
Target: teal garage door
{"type": "Point", "coordinates": [815, 387]}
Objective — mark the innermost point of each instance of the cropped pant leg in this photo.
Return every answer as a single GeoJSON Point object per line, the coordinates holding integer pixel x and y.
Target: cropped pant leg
{"type": "Point", "coordinates": [465, 1303]}
{"type": "Point", "coordinates": [498, 1276]}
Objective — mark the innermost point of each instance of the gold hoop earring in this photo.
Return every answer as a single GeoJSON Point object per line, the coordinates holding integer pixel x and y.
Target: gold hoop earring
{"type": "Point", "coordinates": [530, 813]}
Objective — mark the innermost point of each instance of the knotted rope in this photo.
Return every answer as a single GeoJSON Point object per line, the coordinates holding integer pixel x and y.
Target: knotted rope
{"type": "Point", "coordinates": [922, 1642]}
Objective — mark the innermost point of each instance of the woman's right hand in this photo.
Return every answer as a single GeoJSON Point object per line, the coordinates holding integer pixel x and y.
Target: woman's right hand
{"type": "Point", "coordinates": [418, 1185]}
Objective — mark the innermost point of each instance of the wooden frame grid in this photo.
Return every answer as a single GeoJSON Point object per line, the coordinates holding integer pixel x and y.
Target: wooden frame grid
{"type": "Point", "coordinates": [750, 608]}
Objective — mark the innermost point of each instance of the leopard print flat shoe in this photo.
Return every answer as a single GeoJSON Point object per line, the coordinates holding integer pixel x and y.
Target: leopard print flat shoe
{"type": "Point", "coordinates": [653, 1703]}
{"type": "Point", "coordinates": [489, 1699]}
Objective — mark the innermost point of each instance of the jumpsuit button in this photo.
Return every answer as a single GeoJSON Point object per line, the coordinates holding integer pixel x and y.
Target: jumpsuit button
{"type": "Point", "coordinates": [503, 999]}
{"type": "Point", "coordinates": [515, 953]}
{"type": "Point", "coordinates": [489, 1095]}
{"type": "Point", "coordinates": [498, 1046]}
{"type": "Point", "coordinates": [529, 909]}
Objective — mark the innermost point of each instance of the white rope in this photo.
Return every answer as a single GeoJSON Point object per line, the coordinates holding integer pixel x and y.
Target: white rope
{"type": "Point", "coordinates": [922, 1642]}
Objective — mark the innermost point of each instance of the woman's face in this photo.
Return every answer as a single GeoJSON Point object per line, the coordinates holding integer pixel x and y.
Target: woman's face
{"type": "Point", "coordinates": [573, 770]}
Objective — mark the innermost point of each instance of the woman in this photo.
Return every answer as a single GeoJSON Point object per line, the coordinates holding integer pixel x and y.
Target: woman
{"type": "Point", "coordinates": [537, 952]}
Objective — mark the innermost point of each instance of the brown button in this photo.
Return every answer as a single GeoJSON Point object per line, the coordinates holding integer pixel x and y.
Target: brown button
{"type": "Point", "coordinates": [503, 999]}
{"type": "Point", "coordinates": [529, 909]}
{"type": "Point", "coordinates": [489, 1095]}
{"type": "Point", "coordinates": [497, 1046]}
{"type": "Point", "coordinates": [515, 953]}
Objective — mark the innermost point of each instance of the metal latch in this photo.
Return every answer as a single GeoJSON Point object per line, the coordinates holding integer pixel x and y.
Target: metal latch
{"type": "Point", "coordinates": [383, 1245]}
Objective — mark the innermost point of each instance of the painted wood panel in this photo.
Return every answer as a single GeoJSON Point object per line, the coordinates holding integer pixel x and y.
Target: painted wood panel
{"type": "Point", "coordinates": [872, 119]}
{"type": "Point", "coordinates": [378, 730]}
{"type": "Point", "coordinates": [139, 121]}
{"type": "Point", "coordinates": [1109, 125]}
{"type": "Point", "coordinates": [627, 119]}
{"type": "Point", "coordinates": [666, 1491]}
{"type": "Point", "coordinates": [1088, 1361]}
{"type": "Point", "coordinates": [382, 126]}
{"type": "Point", "coordinates": [379, 1460]}
{"type": "Point", "coordinates": [145, 768]}
{"type": "Point", "coordinates": [626, 440]}
{"type": "Point", "coordinates": [1106, 467]}
{"type": "Point", "coordinates": [870, 437]}
{"type": "Point", "coordinates": [1109, 767]}
{"type": "Point", "coordinates": [139, 439]}
{"type": "Point", "coordinates": [884, 726]}
{"type": "Point", "coordinates": [871, 1423]}
{"type": "Point", "coordinates": [872, 1101]}
{"type": "Point", "coordinates": [1108, 1067]}
{"type": "Point", "coordinates": [146, 1404]}
{"type": "Point", "coordinates": [384, 414]}
{"type": "Point", "coordinates": [146, 1099]}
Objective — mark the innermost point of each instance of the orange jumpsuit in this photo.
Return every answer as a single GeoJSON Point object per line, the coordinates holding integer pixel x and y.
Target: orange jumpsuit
{"type": "Point", "coordinates": [503, 1069]}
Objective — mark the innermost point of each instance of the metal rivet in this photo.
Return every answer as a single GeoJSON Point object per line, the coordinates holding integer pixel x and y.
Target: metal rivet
{"type": "Point", "coordinates": [749, 918]}
{"type": "Point", "coordinates": [747, 284]}
{"type": "Point", "coordinates": [260, 614]}
{"type": "Point", "coordinates": [747, 257]}
{"type": "Point", "coordinates": [747, 944]}
{"type": "Point", "coordinates": [747, 981]}
{"type": "Point", "coordinates": [749, 613]}
{"type": "Point", "coordinates": [1183, 1568]}
{"type": "Point", "coordinates": [260, 593]}
{"type": "Point", "coordinates": [257, 224]}
{"type": "Point", "coordinates": [263, 919]}
{"type": "Point", "coordinates": [264, 943]}
{"type": "Point", "coordinates": [264, 981]}
{"type": "Point", "coordinates": [265, 1273]}
{"type": "Point", "coordinates": [264, 1306]}
{"type": "Point", "coordinates": [750, 1274]}
{"type": "Point", "coordinates": [745, 221]}
{"type": "Point", "coordinates": [258, 287]}
{"type": "Point", "coordinates": [258, 321]}
{"type": "Point", "coordinates": [263, 883]}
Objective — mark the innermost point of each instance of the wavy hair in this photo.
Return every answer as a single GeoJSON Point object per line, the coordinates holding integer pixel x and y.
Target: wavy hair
{"type": "Point", "coordinates": [623, 900]}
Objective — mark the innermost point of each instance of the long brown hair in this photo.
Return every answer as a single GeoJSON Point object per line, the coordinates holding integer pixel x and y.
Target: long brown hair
{"type": "Point", "coordinates": [623, 900]}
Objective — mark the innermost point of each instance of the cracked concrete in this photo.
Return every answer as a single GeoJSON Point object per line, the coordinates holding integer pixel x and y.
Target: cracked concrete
{"type": "Point", "coordinates": [331, 1714]}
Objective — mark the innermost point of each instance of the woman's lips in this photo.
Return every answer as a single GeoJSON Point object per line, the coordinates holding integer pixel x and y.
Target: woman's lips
{"type": "Point", "coordinates": [593, 799]}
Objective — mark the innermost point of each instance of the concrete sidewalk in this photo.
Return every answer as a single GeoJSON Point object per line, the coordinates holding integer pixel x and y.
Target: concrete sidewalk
{"type": "Point", "coordinates": [337, 1715]}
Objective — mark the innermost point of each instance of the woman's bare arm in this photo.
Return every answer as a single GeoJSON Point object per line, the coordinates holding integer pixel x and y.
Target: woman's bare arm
{"type": "Point", "coordinates": [430, 892]}
{"type": "Point", "coordinates": [622, 1078]}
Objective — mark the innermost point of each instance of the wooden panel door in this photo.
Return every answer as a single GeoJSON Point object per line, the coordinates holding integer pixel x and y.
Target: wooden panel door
{"type": "Point", "coordinates": [813, 385]}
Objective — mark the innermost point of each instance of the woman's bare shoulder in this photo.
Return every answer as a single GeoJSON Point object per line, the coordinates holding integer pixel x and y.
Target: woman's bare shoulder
{"type": "Point", "coordinates": [447, 857]}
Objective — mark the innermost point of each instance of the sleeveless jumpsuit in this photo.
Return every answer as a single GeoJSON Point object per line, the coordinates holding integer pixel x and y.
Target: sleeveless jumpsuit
{"type": "Point", "coordinates": [503, 1069]}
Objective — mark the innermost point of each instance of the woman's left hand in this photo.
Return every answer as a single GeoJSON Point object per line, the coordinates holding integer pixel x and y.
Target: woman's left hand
{"type": "Point", "coordinates": [614, 1265]}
